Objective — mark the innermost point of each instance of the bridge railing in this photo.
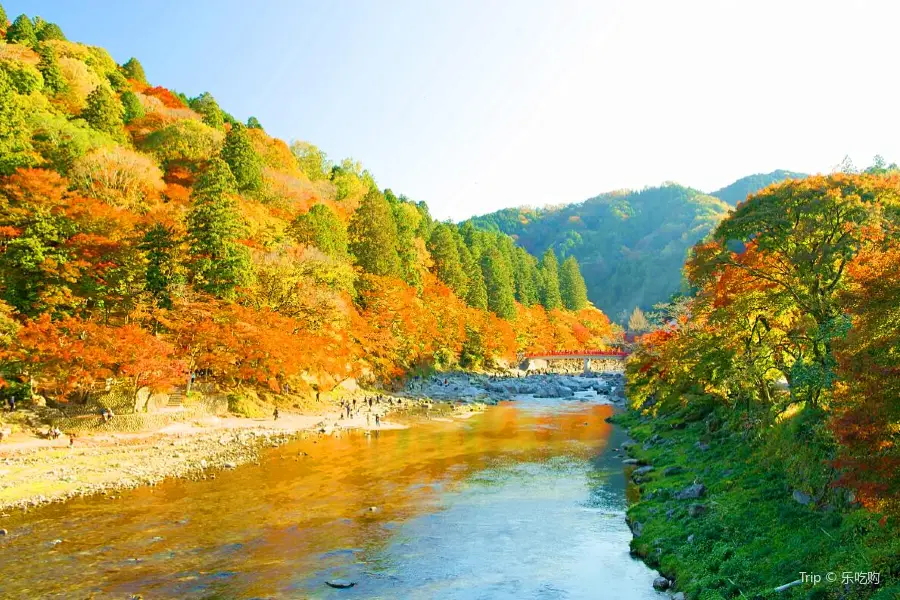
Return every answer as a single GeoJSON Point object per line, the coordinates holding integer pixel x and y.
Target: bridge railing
{"type": "Point", "coordinates": [591, 352]}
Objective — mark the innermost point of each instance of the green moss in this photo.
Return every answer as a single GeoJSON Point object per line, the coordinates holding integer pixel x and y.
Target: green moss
{"type": "Point", "coordinates": [753, 536]}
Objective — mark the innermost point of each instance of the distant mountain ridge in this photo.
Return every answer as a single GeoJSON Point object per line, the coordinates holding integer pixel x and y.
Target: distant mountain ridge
{"type": "Point", "coordinates": [630, 244]}
{"type": "Point", "coordinates": [743, 187]}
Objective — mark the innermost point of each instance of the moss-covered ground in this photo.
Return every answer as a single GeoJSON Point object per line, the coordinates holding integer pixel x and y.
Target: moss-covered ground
{"type": "Point", "coordinates": [747, 534]}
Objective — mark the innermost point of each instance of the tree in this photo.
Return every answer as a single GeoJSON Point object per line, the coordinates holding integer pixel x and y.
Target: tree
{"type": "Point", "coordinates": [637, 322]}
{"type": "Point", "coordinates": [3, 19]}
{"type": "Point", "coordinates": [499, 284]}
{"type": "Point", "coordinates": [49, 68]}
{"type": "Point", "coordinates": [322, 228]}
{"type": "Point", "coordinates": [447, 264]}
{"type": "Point", "coordinates": [220, 264]}
{"type": "Point", "coordinates": [253, 123]}
{"type": "Point", "coordinates": [242, 159]}
{"type": "Point", "coordinates": [571, 285]}
{"type": "Point", "coordinates": [550, 294]}
{"type": "Point", "coordinates": [209, 109]}
{"type": "Point", "coordinates": [163, 272]}
{"type": "Point", "coordinates": [104, 112]}
{"type": "Point", "coordinates": [133, 69]}
{"type": "Point", "coordinates": [476, 291]}
{"type": "Point", "coordinates": [526, 277]}
{"type": "Point", "coordinates": [22, 32]}
{"type": "Point", "coordinates": [15, 135]}
{"type": "Point", "coordinates": [373, 236]}
{"type": "Point", "coordinates": [50, 31]}
{"type": "Point", "coordinates": [312, 161]}
{"type": "Point", "coordinates": [132, 107]}
{"type": "Point", "coordinates": [409, 247]}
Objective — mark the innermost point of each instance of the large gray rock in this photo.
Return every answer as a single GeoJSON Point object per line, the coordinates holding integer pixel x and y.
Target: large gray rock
{"type": "Point", "coordinates": [697, 490]}
{"type": "Point", "coordinates": [637, 528]}
{"type": "Point", "coordinates": [802, 498]}
{"type": "Point", "coordinates": [661, 584]}
{"type": "Point", "coordinates": [642, 470]}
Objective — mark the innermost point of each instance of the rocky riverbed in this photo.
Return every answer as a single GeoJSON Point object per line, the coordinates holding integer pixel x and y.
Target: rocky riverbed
{"type": "Point", "coordinates": [490, 389]}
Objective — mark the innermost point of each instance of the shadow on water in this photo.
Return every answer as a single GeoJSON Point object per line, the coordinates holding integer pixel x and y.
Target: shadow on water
{"type": "Point", "coordinates": [523, 501]}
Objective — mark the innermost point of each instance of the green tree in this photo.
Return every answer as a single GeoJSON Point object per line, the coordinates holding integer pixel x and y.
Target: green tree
{"type": "Point", "coordinates": [253, 123]}
{"type": "Point", "coordinates": [209, 109]}
{"type": "Point", "coordinates": [117, 81]}
{"type": "Point", "coordinates": [571, 285]}
{"type": "Point", "coordinates": [3, 19]}
{"type": "Point", "coordinates": [407, 219]}
{"type": "Point", "coordinates": [220, 263]}
{"type": "Point", "coordinates": [476, 291]}
{"type": "Point", "coordinates": [373, 236]}
{"type": "Point", "coordinates": [322, 228]}
{"type": "Point", "coordinates": [49, 68]}
{"type": "Point", "coordinates": [526, 277]}
{"type": "Point", "coordinates": [49, 31]}
{"type": "Point", "coordinates": [15, 135]}
{"type": "Point", "coordinates": [550, 294]}
{"type": "Point", "coordinates": [22, 32]}
{"type": "Point", "coordinates": [448, 267]}
{"type": "Point", "coordinates": [133, 69]}
{"type": "Point", "coordinates": [163, 271]}
{"type": "Point", "coordinates": [312, 161]}
{"type": "Point", "coordinates": [499, 283]}
{"type": "Point", "coordinates": [243, 159]}
{"type": "Point", "coordinates": [104, 112]}
{"type": "Point", "coordinates": [132, 107]}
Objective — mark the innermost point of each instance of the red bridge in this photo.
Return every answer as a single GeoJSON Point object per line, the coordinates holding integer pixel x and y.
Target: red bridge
{"type": "Point", "coordinates": [586, 355]}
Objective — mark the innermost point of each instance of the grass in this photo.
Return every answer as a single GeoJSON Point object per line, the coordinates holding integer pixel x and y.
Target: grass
{"type": "Point", "coordinates": [754, 536]}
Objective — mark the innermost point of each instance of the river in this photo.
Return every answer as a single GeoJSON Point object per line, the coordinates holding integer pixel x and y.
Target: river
{"type": "Point", "coordinates": [523, 501]}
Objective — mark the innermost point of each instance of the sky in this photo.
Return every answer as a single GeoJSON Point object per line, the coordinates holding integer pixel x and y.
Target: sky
{"type": "Point", "coordinates": [476, 105]}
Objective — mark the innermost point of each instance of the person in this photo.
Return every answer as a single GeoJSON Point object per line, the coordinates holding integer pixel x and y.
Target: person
{"type": "Point", "coordinates": [377, 420]}
{"type": "Point", "coordinates": [275, 414]}
{"type": "Point", "coordinates": [12, 403]}
{"type": "Point", "coordinates": [72, 439]}
{"type": "Point", "coordinates": [370, 402]}
{"type": "Point", "coordinates": [368, 419]}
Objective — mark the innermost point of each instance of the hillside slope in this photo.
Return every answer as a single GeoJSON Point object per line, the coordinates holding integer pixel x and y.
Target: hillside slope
{"type": "Point", "coordinates": [146, 235]}
{"type": "Point", "coordinates": [743, 187]}
{"type": "Point", "coordinates": [630, 244]}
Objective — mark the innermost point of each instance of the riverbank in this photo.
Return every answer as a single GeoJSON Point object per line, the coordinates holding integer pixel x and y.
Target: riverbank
{"type": "Point", "coordinates": [718, 519]}
{"type": "Point", "coordinates": [35, 470]}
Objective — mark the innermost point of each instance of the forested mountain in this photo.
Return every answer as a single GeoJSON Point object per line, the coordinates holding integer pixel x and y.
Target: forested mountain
{"type": "Point", "coordinates": [743, 187]}
{"type": "Point", "coordinates": [630, 244]}
{"type": "Point", "coordinates": [146, 234]}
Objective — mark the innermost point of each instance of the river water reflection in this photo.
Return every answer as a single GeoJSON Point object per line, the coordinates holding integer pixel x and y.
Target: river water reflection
{"type": "Point", "coordinates": [523, 501]}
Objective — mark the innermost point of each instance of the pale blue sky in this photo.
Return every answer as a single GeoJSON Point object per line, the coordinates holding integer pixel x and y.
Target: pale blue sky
{"type": "Point", "coordinates": [477, 105]}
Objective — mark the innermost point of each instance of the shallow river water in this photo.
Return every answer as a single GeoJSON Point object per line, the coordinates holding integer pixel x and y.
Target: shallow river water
{"type": "Point", "coordinates": [524, 501]}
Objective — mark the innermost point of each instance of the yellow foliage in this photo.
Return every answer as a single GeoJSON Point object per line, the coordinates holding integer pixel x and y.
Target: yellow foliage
{"type": "Point", "coordinates": [81, 81]}
{"type": "Point", "coordinates": [119, 176]}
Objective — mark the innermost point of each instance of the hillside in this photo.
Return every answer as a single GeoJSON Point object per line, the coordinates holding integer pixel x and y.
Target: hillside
{"type": "Point", "coordinates": [743, 187]}
{"type": "Point", "coordinates": [630, 244]}
{"type": "Point", "coordinates": [146, 234]}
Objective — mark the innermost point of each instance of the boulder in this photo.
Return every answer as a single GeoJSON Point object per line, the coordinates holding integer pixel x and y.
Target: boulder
{"type": "Point", "coordinates": [661, 584]}
{"type": "Point", "coordinates": [697, 490]}
{"type": "Point", "coordinates": [678, 596]}
{"type": "Point", "coordinates": [801, 497]}
{"type": "Point", "coordinates": [631, 461]}
{"type": "Point", "coordinates": [340, 583]}
{"type": "Point", "coordinates": [637, 528]}
{"type": "Point", "coordinates": [642, 470]}
{"type": "Point", "coordinates": [701, 446]}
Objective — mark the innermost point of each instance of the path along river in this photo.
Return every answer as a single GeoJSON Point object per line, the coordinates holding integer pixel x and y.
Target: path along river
{"type": "Point", "coordinates": [523, 501]}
